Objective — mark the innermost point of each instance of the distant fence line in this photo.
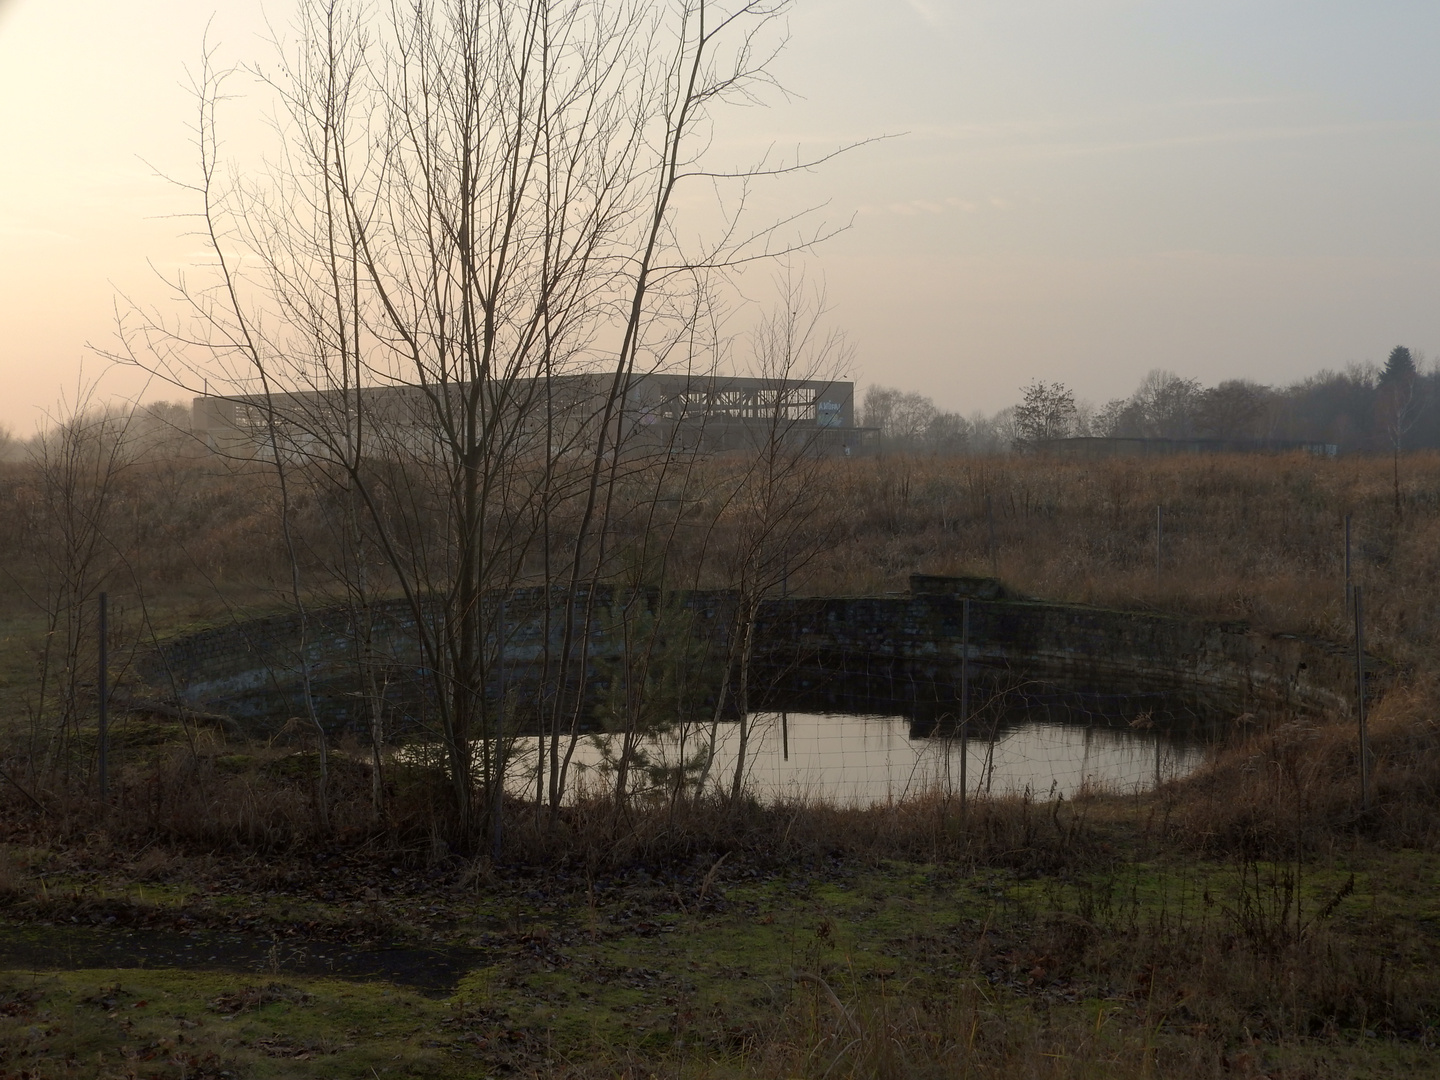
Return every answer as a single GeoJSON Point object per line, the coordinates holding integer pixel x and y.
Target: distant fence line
{"type": "Point", "coordinates": [1104, 447]}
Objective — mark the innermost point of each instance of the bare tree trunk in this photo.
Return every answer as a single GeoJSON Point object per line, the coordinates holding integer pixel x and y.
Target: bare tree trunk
{"type": "Point", "coordinates": [472, 202]}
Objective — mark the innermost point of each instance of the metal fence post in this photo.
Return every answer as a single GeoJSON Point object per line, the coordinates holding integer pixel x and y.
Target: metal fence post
{"type": "Point", "coordinates": [1348, 592]}
{"type": "Point", "coordinates": [1359, 601]}
{"type": "Point", "coordinates": [104, 692]}
{"type": "Point", "coordinates": [497, 742]}
{"type": "Point", "coordinates": [964, 700]}
{"type": "Point", "coordinates": [994, 555]}
{"type": "Point", "coordinates": [1159, 539]}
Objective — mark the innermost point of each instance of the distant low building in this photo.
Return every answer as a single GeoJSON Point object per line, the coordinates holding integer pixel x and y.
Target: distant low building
{"type": "Point", "coordinates": [689, 412]}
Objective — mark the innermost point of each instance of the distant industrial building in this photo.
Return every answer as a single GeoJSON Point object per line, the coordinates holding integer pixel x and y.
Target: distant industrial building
{"type": "Point", "coordinates": [688, 412]}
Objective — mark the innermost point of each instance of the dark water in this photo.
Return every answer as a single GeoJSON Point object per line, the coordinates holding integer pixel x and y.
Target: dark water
{"type": "Point", "coordinates": [860, 760]}
{"type": "Point", "coordinates": [876, 749]}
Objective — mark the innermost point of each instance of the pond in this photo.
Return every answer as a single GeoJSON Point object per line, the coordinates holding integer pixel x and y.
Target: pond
{"type": "Point", "coordinates": [1045, 748]}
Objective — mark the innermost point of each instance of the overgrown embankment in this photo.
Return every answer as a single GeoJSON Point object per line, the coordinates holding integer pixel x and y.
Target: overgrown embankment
{"type": "Point", "coordinates": [1218, 927]}
{"type": "Point", "coordinates": [1255, 537]}
{"type": "Point", "coordinates": [1252, 920]}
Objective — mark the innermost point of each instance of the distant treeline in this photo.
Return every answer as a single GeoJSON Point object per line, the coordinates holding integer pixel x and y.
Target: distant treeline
{"type": "Point", "coordinates": [1366, 407]}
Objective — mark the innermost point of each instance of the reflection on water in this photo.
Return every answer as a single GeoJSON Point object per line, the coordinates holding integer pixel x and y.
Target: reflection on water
{"type": "Point", "coordinates": [859, 760]}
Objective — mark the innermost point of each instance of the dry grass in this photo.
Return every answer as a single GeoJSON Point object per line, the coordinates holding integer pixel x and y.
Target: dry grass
{"type": "Point", "coordinates": [1091, 979]}
{"type": "Point", "coordinates": [1193, 933]}
{"type": "Point", "coordinates": [207, 795]}
{"type": "Point", "coordinates": [1245, 537]}
{"type": "Point", "coordinates": [1275, 793]}
{"type": "Point", "coordinates": [1293, 790]}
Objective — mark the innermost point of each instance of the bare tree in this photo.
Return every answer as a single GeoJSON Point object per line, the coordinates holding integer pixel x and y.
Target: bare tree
{"type": "Point", "coordinates": [948, 432]}
{"type": "Point", "coordinates": [1047, 411]}
{"type": "Point", "coordinates": [903, 417]}
{"type": "Point", "coordinates": [1235, 409]}
{"type": "Point", "coordinates": [774, 499]}
{"type": "Point", "coordinates": [471, 202]}
{"type": "Point", "coordinates": [75, 469]}
{"type": "Point", "coordinates": [1168, 404]}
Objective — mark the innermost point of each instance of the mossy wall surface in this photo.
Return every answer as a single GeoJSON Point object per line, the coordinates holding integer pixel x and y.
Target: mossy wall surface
{"type": "Point", "coordinates": [253, 669]}
{"type": "Point", "coordinates": [1228, 666]}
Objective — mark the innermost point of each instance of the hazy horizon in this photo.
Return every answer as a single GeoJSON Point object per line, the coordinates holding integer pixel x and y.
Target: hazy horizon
{"type": "Point", "coordinates": [1079, 190]}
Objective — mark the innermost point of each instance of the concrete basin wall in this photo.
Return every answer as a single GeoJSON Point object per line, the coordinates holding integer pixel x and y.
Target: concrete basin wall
{"type": "Point", "coordinates": [253, 669]}
{"type": "Point", "coordinates": [1230, 666]}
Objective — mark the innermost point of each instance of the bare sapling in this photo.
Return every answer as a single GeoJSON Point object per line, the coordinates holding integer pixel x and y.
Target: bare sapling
{"type": "Point", "coordinates": [774, 501]}
{"type": "Point", "coordinates": [76, 467]}
{"type": "Point", "coordinates": [439, 303]}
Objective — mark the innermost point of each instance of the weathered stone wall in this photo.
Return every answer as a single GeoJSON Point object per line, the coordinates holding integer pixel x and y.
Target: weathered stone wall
{"type": "Point", "coordinates": [253, 669]}
{"type": "Point", "coordinates": [1230, 667]}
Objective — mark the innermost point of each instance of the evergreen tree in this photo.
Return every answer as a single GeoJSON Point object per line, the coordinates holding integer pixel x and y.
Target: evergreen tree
{"type": "Point", "coordinates": [1399, 368]}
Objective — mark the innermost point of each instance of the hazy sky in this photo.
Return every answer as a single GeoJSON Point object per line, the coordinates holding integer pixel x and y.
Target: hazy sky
{"type": "Point", "coordinates": [1087, 188]}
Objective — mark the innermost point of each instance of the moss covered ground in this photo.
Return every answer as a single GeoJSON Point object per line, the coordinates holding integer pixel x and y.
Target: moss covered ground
{"type": "Point", "coordinates": [818, 965]}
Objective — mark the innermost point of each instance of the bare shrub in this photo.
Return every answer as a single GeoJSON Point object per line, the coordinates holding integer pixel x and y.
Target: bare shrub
{"type": "Point", "coordinates": [1293, 790]}
{"type": "Point", "coordinates": [15, 880]}
{"type": "Point", "coordinates": [154, 863]}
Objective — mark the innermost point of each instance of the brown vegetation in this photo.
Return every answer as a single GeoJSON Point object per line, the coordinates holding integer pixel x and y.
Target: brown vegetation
{"type": "Point", "coordinates": [1214, 929]}
{"type": "Point", "coordinates": [1254, 537]}
{"type": "Point", "coordinates": [183, 537]}
{"type": "Point", "coordinates": [1208, 929]}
